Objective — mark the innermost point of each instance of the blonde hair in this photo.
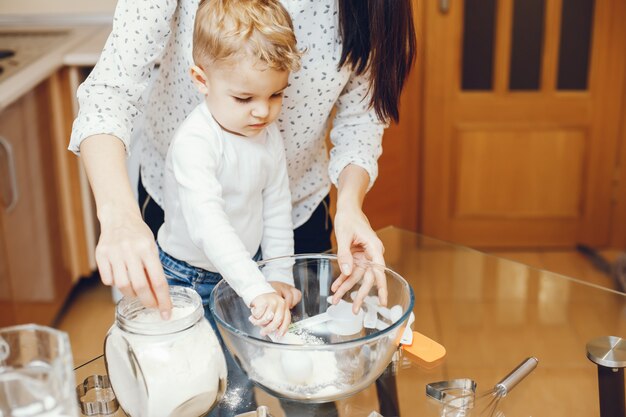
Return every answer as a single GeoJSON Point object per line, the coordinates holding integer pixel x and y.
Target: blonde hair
{"type": "Point", "coordinates": [260, 29]}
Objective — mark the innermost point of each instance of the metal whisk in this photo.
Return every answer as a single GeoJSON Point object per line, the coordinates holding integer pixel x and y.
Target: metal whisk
{"type": "Point", "coordinates": [460, 399]}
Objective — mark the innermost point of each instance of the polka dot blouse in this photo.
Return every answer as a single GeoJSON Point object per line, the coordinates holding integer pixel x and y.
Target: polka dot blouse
{"type": "Point", "coordinates": [126, 97]}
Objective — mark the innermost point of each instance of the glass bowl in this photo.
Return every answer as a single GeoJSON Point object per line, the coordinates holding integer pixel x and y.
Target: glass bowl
{"type": "Point", "coordinates": [328, 367]}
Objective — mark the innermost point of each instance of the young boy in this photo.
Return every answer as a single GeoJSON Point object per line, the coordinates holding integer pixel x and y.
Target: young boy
{"type": "Point", "coordinates": [226, 191]}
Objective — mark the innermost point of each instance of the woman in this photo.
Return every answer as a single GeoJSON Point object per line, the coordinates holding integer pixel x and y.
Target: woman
{"type": "Point", "coordinates": [358, 55]}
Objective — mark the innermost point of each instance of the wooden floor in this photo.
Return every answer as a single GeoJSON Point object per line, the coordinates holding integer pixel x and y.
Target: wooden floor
{"type": "Point", "coordinates": [91, 310]}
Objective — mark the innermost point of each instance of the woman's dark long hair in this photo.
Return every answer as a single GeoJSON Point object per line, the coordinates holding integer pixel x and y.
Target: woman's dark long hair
{"type": "Point", "coordinates": [379, 36]}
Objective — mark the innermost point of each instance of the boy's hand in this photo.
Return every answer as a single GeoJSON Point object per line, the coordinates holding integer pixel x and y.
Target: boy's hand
{"type": "Point", "coordinates": [271, 312]}
{"type": "Point", "coordinates": [291, 294]}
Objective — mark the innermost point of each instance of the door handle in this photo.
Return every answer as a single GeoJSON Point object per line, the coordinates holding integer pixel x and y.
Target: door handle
{"type": "Point", "coordinates": [444, 6]}
{"type": "Point", "coordinates": [10, 193]}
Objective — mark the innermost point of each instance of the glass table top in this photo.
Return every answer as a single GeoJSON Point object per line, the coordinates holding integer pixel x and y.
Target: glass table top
{"type": "Point", "coordinates": [490, 314]}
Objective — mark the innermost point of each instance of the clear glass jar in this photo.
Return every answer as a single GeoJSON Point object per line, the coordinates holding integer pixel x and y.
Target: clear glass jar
{"type": "Point", "coordinates": [36, 375]}
{"type": "Point", "coordinates": [165, 368]}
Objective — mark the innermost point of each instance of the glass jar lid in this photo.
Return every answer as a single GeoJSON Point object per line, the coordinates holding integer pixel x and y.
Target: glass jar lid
{"type": "Point", "coordinates": [133, 317]}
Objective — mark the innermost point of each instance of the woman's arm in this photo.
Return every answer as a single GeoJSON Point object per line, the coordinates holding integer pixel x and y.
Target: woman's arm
{"type": "Point", "coordinates": [110, 100]}
{"type": "Point", "coordinates": [126, 254]}
{"type": "Point", "coordinates": [355, 238]}
{"type": "Point", "coordinates": [369, 31]}
{"type": "Point", "coordinates": [357, 143]}
{"type": "Point", "coordinates": [113, 96]}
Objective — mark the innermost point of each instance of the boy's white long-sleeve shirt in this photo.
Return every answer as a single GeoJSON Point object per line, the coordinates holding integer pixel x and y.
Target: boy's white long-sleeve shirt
{"type": "Point", "coordinates": [224, 197]}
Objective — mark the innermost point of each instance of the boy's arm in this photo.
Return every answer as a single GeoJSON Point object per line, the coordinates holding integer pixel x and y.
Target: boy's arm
{"type": "Point", "coordinates": [277, 222]}
{"type": "Point", "coordinates": [195, 159]}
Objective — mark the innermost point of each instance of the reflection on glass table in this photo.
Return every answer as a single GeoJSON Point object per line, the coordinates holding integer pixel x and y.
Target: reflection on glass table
{"type": "Point", "coordinates": [489, 313]}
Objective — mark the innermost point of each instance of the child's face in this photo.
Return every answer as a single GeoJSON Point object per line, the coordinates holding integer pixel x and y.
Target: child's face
{"type": "Point", "coordinates": [243, 97]}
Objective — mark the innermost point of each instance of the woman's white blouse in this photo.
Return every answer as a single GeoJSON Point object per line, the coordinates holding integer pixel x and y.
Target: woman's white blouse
{"type": "Point", "coordinates": [113, 99]}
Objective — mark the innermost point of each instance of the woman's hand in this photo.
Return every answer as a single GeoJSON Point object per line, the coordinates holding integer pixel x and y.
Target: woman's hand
{"type": "Point", "coordinates": [356, 244]}
{"type": "Point", "coordinates": [127, 258]}
{"type": "Point", "coordinates": [271, 312]}
{"type": "Point", "coordinates": [356, 240]}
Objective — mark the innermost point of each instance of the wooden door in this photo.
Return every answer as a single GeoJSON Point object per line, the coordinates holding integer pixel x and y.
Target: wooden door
{"type": "Point", "coordinates": [522, 108]}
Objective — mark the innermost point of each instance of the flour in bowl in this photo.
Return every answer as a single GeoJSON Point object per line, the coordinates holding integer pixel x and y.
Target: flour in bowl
{"type": "Point", "coordinates": [299, 374]}
{"type": "Point", "coordinates": [318, 380]}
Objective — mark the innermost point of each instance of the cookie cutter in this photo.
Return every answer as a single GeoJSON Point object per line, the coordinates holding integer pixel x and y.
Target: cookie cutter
{"type": "Point", "coordinates": [457, 393]}
{"type": "Point", "coordinates": [102, 401]}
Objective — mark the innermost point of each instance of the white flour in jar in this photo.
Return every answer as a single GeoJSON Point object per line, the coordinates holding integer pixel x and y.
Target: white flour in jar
{"type": "Point", "coordinates": [154, 316]}
{"type": "Point", "coordinates": [181, 372]}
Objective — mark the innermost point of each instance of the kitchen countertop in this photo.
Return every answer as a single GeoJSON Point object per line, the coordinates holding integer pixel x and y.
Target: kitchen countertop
{"type": "Point", "coordinates": [81, 46]}
{"type": "Point", "coordinates": [87, 53]}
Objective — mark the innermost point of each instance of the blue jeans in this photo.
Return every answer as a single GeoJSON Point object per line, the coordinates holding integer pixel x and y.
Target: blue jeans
{"type": "Point", "coordinates": [181, 273]}
{"type": "Point", "coordinates": [239, 396]}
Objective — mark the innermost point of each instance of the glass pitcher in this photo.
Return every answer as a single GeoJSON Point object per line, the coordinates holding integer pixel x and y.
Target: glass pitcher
{"type": "Point", "coordinates": [161, 368]}
{"type": "Point", "coordinates": [36, 375]}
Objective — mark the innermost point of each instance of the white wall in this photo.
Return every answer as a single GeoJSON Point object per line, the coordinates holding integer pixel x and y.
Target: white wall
{"type": "Point", "coordinates": [57, 7]}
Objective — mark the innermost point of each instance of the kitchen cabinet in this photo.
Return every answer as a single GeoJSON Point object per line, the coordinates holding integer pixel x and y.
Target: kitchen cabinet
{"type": "Point", "coordinates": [36, 276]}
